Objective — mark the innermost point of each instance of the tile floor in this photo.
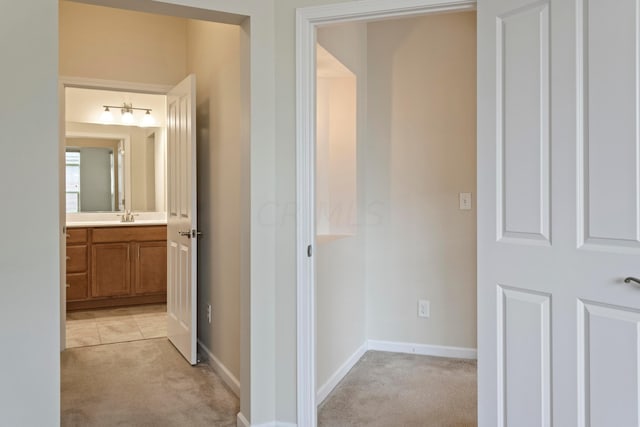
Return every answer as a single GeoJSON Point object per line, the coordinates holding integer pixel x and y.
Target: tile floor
{"type": "Point", "coordinates": [108, 326]}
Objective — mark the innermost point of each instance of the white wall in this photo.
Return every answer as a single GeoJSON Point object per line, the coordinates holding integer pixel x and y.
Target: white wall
{"type": "Point", "coordinates": [214, 56]}
{"type": "Point", "coordinates": [340, 276]}
{"type": "Point", "coordinates": [30, 245]}
{"type": "Point", "coordinates": [420, 155]}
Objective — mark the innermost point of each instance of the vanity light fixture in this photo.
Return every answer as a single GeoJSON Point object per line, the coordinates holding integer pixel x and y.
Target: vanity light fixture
{"type": "Point", "coordinates": [127, 117]}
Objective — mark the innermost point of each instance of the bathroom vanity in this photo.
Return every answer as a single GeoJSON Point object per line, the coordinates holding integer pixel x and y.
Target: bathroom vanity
{"type": "Point", "coordinates": [111, 264]}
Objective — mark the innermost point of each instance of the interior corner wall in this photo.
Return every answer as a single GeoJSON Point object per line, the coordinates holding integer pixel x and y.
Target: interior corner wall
{"type": "Point", "coordinates": [30, 247]}
{"type": "Point", "coordinates": [420, 156]}
{"type": "Point", "coordinates": [112, 44]}
{"type": "Point", "coordinates": [214, 56]}
{"type": "Point", "coordinates": [340, 276]}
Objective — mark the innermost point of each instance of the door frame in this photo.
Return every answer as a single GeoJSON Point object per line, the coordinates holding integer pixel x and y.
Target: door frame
{"type": "Point", "coordinates": [307, 21]}
{"type": "Point", "coordinates": [97, 84]}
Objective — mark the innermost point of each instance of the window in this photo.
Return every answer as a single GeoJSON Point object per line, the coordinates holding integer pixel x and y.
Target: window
{"type": "Point", "coordinates": [72, 162]}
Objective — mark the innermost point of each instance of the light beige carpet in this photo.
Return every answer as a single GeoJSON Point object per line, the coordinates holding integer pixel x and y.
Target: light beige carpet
{"type": "Point", "coordinates": [141, 383]}
{"type": "Point", "coordinates": [397, 390]}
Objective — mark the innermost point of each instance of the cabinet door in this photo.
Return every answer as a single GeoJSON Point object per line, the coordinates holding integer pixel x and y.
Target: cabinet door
{"type": "Point", "coordinates": [111, 271]}
{"type": "Point", "coordinates": [151, 268]}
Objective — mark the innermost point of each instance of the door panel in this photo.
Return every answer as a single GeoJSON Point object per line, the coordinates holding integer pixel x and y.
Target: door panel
{"type": "Point", "coordinates": [522, 45]}
{"type": "Point", "coordinates": [182, 221]}
{"type": "Point", "coordinates": [609, 365]}
{"type": "Point", "coordinates": [558, 213]}
{"type": "Point", "coordinates": [524, 356]}
{"type": "Point", "coordinates": [609, 120]}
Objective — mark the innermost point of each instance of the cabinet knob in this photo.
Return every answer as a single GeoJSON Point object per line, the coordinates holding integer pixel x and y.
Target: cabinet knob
{"type": "Point", "coordinates": [68, 258]}
{"type": "Point", "coordinates": [68, 285]}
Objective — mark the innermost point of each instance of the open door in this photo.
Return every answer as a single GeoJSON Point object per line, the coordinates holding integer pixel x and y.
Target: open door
{"type": "Point", "coordinates": [181, 219]}
{"type": "Point", "coordinates": [558, 213]}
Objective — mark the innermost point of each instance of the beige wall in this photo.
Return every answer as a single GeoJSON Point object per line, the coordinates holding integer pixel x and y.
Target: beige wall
{"type": "Point", "coordinates": [113, 44]}
{"type": "Point", "coordinates": [214, 56]}
{"type": "Point", "coordinates": [30, 245]}
{"type": "Point", "coordinates": [421, 154]}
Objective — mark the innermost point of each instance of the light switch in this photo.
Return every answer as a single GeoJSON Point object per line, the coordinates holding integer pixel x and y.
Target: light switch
{"type": "Point", "coordinates": [465, 201]}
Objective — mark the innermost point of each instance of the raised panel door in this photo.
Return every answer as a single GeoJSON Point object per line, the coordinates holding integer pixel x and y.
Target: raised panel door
{"type": "Point", "coordinates": [558, 213]}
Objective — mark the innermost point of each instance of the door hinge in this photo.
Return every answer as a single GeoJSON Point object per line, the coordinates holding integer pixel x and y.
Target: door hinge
{"type": "Point", "coordinates": [309, 251]}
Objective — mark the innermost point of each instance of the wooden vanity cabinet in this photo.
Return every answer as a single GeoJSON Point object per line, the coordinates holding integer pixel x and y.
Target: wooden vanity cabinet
{"type": "Point", "coordinates": [128, 265]}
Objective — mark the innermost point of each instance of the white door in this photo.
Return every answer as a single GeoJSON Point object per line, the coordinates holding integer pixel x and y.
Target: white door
{"type": "Point", "coordinates": [559, 213]}
{"type": "Point", "coordinates": [181, 219]}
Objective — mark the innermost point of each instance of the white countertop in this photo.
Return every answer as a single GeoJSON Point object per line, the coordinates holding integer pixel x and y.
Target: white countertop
{"type": "Point", "coordinates": [115, 223]}
{"type": "Point", "coordinates": [112, 219]}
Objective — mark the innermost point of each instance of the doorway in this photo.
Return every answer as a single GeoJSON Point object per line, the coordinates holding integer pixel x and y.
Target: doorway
{"type": "Point", "coordinates": [157, 56]}
{"type": "Point", "coordinates": [115, 165]}
{"type": "Point", "coordinates": [311, 261]}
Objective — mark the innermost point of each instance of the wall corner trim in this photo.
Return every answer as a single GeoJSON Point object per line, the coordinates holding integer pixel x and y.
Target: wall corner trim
{"type": "Point", "coordinates": [229, 379]}
{"type": "Point", "coordinates": [424, 349]}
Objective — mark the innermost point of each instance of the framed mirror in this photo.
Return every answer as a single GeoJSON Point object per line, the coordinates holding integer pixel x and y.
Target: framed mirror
{"type": "Point", "coordinates": [114, 168]}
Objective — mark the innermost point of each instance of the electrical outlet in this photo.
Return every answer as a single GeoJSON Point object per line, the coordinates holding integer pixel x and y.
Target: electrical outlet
{"type": "Point", "coordinates": [209, 312]}
{"type": "Point", "coordinates": [424, 308]}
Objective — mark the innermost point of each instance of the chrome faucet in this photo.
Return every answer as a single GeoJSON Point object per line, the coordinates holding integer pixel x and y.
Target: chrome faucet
{"type": "Point", "coordinates": [128, 216]}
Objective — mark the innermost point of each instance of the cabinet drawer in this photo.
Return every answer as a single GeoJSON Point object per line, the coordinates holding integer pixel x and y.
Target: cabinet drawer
{"type": "Point", "coordinates": [76, 259]}
{"type": "Point", "coordinates": [77, 287]}
{"type": "Point", "coordinates": [76, 235]}
{"type": "Point", "coordinates": [129, 234]}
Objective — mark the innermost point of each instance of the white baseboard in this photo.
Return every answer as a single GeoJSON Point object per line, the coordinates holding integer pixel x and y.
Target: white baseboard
{"type": "Point", "coordinates": [424, 349]}
{"type": "Point", "coordinates": [342, 371]}
{"type": "Point", "coordinates": [242, 422]}
{"type": "Point", "coordinates": [229, 379]}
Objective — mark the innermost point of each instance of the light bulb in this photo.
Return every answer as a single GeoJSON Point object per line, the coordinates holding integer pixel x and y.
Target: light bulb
{"type": "Point", "coordinates": [147, 119]}
{"type": "Point", "coordinates": [106, 116]}
{"type": "Point", "coordinates": [127, 117]}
